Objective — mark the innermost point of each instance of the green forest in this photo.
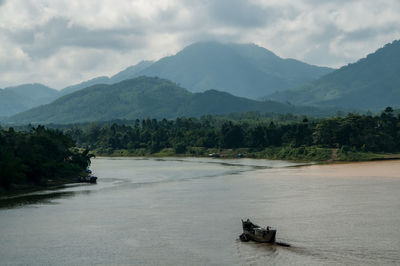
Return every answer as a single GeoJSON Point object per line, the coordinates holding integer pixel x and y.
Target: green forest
{"type": "Point", "coordinates": [353, 136]}
{"type": "Point", "coordinates": [39, 157]}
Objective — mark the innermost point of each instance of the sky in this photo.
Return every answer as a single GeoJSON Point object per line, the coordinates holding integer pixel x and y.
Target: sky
{"type": "Point", "coordinates": [63, 42]}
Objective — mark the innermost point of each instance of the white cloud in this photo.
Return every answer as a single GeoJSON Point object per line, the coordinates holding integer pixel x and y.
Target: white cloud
{"type": "Point", "coordinates": [67, 41]}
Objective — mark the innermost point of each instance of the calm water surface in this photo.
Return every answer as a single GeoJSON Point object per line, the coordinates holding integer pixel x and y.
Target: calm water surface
{"type": "Point", "coordinates": [188, 211]}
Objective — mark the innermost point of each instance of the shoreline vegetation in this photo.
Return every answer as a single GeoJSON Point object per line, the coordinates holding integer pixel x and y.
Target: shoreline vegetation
{"type": "Point", "coordinates": [58, 154]}
{"type": "Point", "coordinates": [40, 158]}
{"type": "Point", "coordinates": [302, 154]}
{"type": "Point", "coordinates": [354, 137]}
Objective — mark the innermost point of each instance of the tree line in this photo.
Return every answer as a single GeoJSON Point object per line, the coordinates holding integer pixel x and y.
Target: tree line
{"type": "Point", "coordinates": [367, 133]}
{"type": "Point", "coordinates": [38, 157]}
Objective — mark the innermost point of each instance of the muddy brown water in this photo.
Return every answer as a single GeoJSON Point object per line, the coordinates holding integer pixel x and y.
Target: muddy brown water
{"type": "Point", "coordinates": [187, 211]}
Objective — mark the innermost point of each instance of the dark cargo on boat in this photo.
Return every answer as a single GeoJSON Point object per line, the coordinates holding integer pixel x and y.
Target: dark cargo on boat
{"type": "Point", "coordinates": [257, 233]}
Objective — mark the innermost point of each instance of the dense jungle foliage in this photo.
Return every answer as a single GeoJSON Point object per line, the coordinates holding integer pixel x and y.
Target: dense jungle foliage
{"type": "Point", "coordinates": [38, 157]}
{"type": "Point", "coordinates": [352, 133]}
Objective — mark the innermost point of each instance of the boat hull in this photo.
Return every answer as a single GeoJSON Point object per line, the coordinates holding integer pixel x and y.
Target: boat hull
{"type": "Point", "coordinates": [265, 237]}
{"type": "Point", "coordinates": [256, 233]}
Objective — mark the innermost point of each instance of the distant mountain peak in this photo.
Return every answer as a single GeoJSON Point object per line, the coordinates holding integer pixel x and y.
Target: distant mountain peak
{"type": "Point", "coordinates": [242, 69]}
{"type": "Point", "coordinates": [16, 99]}
{"type": "Point", "coordinates": [245, 70]}
{"type": "Point", "coordinates": [28, 86]}
{"type": "Point", "coordinates": [371, 83]}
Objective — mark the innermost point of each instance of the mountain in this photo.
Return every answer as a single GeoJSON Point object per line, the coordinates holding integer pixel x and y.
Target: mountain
{"type": "Point", "coordinates": [85, 84]}
{"type": "Point", "coordinates": [12, 103]}
{"type": "Point", "coordinates": [128, 73]}
{"type": "Point", "coordinates": [20, 98]}
{"type": "Point", "coordinates": [144, 97]}
{"type": "Point", "coordinates": [36, 91]}
{"type": "Point", "coordinates": [245, 70]}
{"type": "Point", "coordinates": [372, 83]}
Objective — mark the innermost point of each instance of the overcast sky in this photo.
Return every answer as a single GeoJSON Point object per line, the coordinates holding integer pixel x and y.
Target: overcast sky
{"type": "Point", "coordinates": [63, 42]}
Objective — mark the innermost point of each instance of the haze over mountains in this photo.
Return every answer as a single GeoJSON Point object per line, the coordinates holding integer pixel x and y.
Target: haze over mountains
{"type": "Point", "coordinates": [245, 70]}
{"type": "Point", "coordinates": [20, 98]}
{"type": "Point", "coordinates": [128, 73]}
{"type": "Point", "coordinates": [145, 97]}
{"type": "Point", "coordinates": [372, 83]}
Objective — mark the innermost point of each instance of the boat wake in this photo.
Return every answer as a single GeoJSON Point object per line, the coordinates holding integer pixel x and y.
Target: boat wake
{"type": "Point", "coordinates": [283, 244]}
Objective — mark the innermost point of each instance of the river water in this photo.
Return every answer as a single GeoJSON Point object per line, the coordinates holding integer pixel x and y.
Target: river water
{"type": "Point", "coordinates": [187, 211]}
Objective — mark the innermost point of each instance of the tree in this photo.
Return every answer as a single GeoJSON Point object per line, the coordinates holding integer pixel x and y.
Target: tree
{"type": "Point", "coordinates": [231, 135]}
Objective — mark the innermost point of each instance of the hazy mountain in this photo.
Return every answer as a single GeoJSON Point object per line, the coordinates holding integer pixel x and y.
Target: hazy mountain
{"type": "Point", "coordinates": [128, 73]}
{"type": "Point", "coordinates": [20, 98]}
{"type": "Point", "coordinates": [12, 103]}
{"type": "Point", "coordinates": [35, 91]}
{"type": "Point", "coordinates": [82, 85]}
{"type": "Point", "coordinates": [372, 83]}
{"type": "Point", "coordinates": [241, 69]}
{"type": "Point", "coordinates": [141, 98]}
{"type": "Point", "coordinates": [245, 70]}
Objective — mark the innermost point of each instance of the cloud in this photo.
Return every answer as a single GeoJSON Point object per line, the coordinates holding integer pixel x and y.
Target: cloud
{"type": "Point", "coordinates": [45, 40]}
{"type": "Point", "coordinates": [66, 41]}
{"type": "Point", "coordinates": [238, 13]}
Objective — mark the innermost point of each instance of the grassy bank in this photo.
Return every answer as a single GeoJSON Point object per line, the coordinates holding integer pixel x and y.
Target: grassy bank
{"type": "Point", "coordinates": [311, 153]}
{"type": "Point", "coordinates": [354, 156]}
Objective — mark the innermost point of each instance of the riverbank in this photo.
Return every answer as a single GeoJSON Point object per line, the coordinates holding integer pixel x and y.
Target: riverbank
{"type": "Point", "coordinates": [301, 154]}
{"type": "Point", "coordinates": [39, 158]}
{"type": "Point", "coordinates": [312, 153]}
{"type": "Point", "coordinates": [51, 184]}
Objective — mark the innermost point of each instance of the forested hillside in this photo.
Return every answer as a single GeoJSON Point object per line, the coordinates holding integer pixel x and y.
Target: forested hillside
{"type": "Point", "coordinates": [145, 97]}
{"type": "Point", "coordinates": [369, 84]}
{"type": "Point", "coordinates": [20, 98]}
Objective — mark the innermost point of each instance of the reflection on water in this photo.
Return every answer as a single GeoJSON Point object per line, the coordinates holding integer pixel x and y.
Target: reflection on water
{"type": "Point", "coordinates": [13, 202]}
{"type": "Point", "coordinates": [188, 211]}
{"type": "Point", "coordinates": [47, 196]}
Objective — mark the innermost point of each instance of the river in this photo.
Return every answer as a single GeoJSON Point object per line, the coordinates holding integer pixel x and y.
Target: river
{"type": "Point", "coordinates": [187, 211]}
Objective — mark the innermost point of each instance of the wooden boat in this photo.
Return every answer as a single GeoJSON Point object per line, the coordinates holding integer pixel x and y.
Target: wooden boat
{"type": "Point", "coordinates": [257, 233]}
{"type": "Point", "coordinates": [88, 178]}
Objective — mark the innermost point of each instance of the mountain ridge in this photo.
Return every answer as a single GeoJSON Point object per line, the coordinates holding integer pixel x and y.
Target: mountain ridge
{"type": "Point", "coordinates": [245, 70]}
{"type": "Point", "coordinates": [371, 83]}
{"type": "Point", "coordinates": [19, 98]}
{"type": "Point", "coordinates": [143, 97]}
